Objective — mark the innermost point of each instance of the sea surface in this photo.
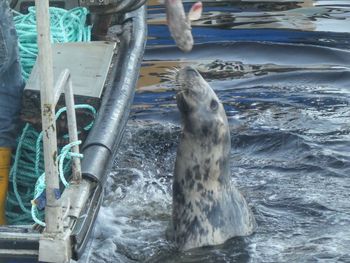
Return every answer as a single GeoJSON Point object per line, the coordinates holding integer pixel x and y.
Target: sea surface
{"type": "Point", "coordinates": [282, 71]}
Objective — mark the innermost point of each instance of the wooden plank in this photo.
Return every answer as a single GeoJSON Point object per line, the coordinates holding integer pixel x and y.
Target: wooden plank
{"type": "Point", "coordinates": [90, 94]}
{"type": "Point", "coordinates": [88, 63]}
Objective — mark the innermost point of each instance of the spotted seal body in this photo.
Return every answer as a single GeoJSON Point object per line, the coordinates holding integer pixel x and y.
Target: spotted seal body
{"type": "Point", "coordinates": [207, 208]}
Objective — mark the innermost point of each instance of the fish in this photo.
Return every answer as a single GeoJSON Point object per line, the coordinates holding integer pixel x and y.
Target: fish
{"type": "Point", "coordinates": [179, 24]}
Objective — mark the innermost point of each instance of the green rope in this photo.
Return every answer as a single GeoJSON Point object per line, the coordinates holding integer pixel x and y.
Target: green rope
{"type": "Point", "coordinates": [28, 164]}
{"type": "Point", "coordinates": [77, 107]}
{"type": "Point", "coordinates": [40, 185]}
{"type": "Point", "coordinates": [66, 26]}
{"type": "Point", "coordinates": [27, 172]}
{"type": "Point", "coordinates": [66, 154]}
{"type": "Point", "coordinates": [14, 170]}
{"type": "Point", "coordinates": [39, 188]}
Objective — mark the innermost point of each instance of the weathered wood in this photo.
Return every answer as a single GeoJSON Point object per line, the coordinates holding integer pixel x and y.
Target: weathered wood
{"type": "Point", "coordinates": [90, 67]}
{"type": "Point", "coordinates": [88, 64]}
{"type": "Point", "coordinates": [72, 127]}
{"type": "Point", "coordinates": [53, 209]}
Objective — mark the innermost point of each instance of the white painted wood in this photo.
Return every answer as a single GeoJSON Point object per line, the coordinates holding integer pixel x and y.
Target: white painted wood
{"type": "Point", "coordinates": [72, 130]}
{"type": "Point", "coordinates": [64, 82]}
{"type": "Point", "coordinates": [53, 209]}
{"type": "Point", "coordinates": [78, 195]}
{"type": "Point", "coordinates": [57, 248]}
{"type": "Point", "coordinates": [61, 84]}
{"type": "Point", "coordinates": [87, 62]}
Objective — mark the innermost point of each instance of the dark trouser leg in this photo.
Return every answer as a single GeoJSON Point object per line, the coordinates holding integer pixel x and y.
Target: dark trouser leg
{"type": "Point", "coordinates": [11, 87]}
{"type": "Point", "coordinates": [11, 82]}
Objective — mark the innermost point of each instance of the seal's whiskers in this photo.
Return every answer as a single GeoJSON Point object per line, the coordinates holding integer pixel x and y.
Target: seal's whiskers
{"type": "Point", "coordinates": [171, 73]}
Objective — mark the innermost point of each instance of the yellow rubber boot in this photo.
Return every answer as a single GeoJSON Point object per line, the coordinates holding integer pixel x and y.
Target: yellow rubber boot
{"type": "Point", "coordinates": [5, 158]}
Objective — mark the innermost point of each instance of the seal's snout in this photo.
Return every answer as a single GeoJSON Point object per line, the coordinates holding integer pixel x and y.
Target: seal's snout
{"type": "Point", "coordinates": [190, 72]}
{"type": "Point", "coordinates": [187, 77]}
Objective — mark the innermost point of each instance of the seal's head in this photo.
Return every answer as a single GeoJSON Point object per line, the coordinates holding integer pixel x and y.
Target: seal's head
{"type": "Point", "coordinates": [207, 208]}
{"type": "Point", "coordinates": [200, 108]}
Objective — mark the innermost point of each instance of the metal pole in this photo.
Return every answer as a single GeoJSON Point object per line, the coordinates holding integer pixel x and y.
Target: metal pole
{"type": "Point", "coordinates": [53, 209]}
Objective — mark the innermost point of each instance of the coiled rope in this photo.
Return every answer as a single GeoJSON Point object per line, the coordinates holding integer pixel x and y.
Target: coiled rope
{"type": "Point", "coordinates": [66, 26]}
{"type": "Point", "coordinates": [27, 173]}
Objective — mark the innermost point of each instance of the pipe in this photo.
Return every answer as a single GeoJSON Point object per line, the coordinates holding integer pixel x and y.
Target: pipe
{"type": "Point", "coordinates": [107, 132]}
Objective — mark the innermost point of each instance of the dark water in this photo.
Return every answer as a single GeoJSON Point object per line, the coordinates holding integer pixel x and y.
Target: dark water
{"type": "Point", "coordinates": [282, 70]}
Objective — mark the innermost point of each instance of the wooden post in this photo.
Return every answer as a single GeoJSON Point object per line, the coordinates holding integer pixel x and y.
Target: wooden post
{"type": "Point", "coordinates": [64, 83]}
{"type": "Point", "coordinates": [72, 130]}
{"type": "Point", "coordinates": [53, 209]}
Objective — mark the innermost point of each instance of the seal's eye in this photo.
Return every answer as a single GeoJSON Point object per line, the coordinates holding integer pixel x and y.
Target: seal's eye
{"type": "Point", "coordinates": [214, 105]}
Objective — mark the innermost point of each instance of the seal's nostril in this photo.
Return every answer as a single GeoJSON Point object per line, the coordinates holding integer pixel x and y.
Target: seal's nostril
{"type": "Point", "coordinates": [190, 70]}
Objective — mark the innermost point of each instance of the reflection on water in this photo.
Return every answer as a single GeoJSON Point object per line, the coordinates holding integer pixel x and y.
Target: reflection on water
{"type": "Point", "coordinates": [281, 68]}
{"type": "Point", "coordinates": [297, 15]}
{"type": "Point", "coordinates": [153, 74]}
{"type": "Point", "coordinates": [310, 22]}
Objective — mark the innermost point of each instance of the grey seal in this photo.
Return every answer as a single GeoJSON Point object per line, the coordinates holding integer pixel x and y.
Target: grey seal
{"type": "Point", "coordinates": [207, 208]}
